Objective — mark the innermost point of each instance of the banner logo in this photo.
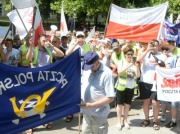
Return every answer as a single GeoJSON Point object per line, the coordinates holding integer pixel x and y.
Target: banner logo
{"type": "Point", "coordinates": [37, 108]}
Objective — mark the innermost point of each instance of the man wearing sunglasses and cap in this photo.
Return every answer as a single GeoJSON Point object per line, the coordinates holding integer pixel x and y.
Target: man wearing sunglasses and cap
{"type": "Point", "coordinates": [79, 43]}
{"type": "Point", "coordinates": [171, 42]}
{"type": "Point", "coordinates": [96, 93]}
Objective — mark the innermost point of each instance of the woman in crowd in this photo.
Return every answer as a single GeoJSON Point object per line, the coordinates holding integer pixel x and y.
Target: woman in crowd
{"type": "Point", "coordinates": [127, 74]}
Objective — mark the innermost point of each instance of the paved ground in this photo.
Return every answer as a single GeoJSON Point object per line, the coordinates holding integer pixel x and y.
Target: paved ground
{"type": "Point", "coordinates": [136, 116]}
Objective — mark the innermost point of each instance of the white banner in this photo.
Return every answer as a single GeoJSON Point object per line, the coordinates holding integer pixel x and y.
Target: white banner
{"type": "Point", "coordinates": [20, 4]}
{"type": "Point", "coordinates": [27, 17]}
{"type": "Point", "coordinates": [168, 84]}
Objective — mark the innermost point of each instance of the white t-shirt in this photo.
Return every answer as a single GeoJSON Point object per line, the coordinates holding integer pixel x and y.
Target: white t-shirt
{"type": "Point", "coordinates": [131, 70]}
{"type": "Point", "coordinates": [13, 56]}
{"type": "Point", "coordinates": [148, 68]}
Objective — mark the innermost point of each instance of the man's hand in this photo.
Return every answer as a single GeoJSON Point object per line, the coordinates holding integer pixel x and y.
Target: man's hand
{"type": "Point", "coordinates": [48, 45]}
{"type": "Point", "coordinates": [1, 48]}
{"type": "Point", "coordinates": [31, 42]}
{"type": "Point", "coordinates": [88, 105]}
{"type": "Point", "coordinates": [149, 48]}
{"type": "Point", "coordinates": [130, 64]}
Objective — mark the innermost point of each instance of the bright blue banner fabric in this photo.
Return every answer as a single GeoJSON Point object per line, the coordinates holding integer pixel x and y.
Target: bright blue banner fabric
{"type": "Point", "coordinates": [173, 30]}
{"type": "Point", "coordinates": [32, 97]}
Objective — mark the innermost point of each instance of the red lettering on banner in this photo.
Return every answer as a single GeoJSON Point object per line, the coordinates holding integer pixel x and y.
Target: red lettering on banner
{"type": "Point", "coordinates": [170, 83]}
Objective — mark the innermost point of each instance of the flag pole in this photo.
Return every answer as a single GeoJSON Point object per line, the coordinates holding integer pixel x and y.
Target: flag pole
{"type": "Point", "coordinates": [107, 19]}
{"type": "Point", "coordinates": [34, 16]}
{"type": "Point", "coordinates": [79, 118]}
{"type": "Point", "coordinates": [21, 20]}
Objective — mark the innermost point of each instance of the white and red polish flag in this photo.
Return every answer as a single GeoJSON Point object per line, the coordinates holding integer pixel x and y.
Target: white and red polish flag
{"type": "Point", "coordinates": [63, 24]}
{"type": "Point", "coordinates": [143, 24]}
{"type": "Point", "coordinates": [27, 17]}
{"type": "Point", "coordinates": [38, 27]}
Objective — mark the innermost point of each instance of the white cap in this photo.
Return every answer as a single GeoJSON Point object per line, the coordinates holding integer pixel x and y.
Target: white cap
{"type": "Point", "coordinates": [79, 33]}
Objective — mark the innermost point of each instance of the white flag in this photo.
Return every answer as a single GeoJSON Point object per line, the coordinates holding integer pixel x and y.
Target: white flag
{"type": "Point", "coordinates": [91, 35]}
{"type": "Point", "coordinates": [20, 4]}
{"type": "Point", "coordinates": [63, 24]}
{"type": "Point", "coordinates": [27, 17]}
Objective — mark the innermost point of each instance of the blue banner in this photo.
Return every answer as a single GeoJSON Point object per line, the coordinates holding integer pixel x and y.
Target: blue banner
{"type": "Point", "coordinates": [173, 30]}
{"type": "Point", "coordinates": [32, 97]}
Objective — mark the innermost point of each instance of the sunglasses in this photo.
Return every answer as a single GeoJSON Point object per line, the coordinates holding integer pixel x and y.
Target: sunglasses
{"type": "Point", "coordinates": [130, 54]}
{"type": "Point", "coordinates": [54, 42]}
{"type": "Point", "coordinates": [170, 42]}
{"type": "Point", "coordinates": [165, 49]}
{"type": "Point", "coordinates": [80, 36]}
{"type": "Point", "coordinates": [17, 39]}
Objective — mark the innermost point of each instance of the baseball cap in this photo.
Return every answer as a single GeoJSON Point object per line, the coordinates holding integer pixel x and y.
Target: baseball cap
{"type": "Point", "coordinates": [170, 38]}
{"type": "Point", "coordinates": [79, 33]}
{"type": "Point", "coordinates": [89, 59]}
{"type": "Point", "coordinates": [115, 45]}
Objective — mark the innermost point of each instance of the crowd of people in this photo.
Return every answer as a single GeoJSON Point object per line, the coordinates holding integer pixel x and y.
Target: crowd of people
{"type": "Point", "coordinates": [111, 70]}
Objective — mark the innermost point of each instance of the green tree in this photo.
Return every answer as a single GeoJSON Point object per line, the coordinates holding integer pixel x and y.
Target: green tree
{"type": "Point", "coordinates": [174, 7]}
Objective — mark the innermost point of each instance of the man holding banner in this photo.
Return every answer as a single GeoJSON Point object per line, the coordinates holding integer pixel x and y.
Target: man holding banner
{"type": "Point", "coordinates": [97, 92]}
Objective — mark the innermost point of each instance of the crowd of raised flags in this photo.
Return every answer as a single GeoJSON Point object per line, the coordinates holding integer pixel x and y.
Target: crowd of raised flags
{"type": "Point", "coordinates": [138, 25]}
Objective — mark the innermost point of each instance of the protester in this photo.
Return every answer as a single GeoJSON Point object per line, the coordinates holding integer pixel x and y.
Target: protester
{"type": "Point", "coordinates": [79, 43]}
{"type": "Point", "coordinates": [129, 44]}
{"type": "Point", "coordinates": [2, 55]}
{"type": "Point", "coordinates": [64, 43]}
{"type": "Point", "coordinates": [97, 93]}
{"type": "Point", "coordinates": [171, 42]}
{"type": "Point", "coordinates": [16, 41]}
{"type": "Point", "coordinates": [175, 63]}
{"type": "Point", "coordinates": [44, 51]}
{"type": "Point", "coordinates": [117, 55]}
{"type": "Point", "coordinates": [105, 52]}
{"type": "Point", "coordinates": [148, 62]}
{"type": "Point", "coordinates": [128, 71]}
{"type": "Point", "coordinates": [56, 42]}
{"type": "Point", "coordinates": [98, 35]}
{"type": "Point", "coordinates": [23, 51]}
{"type": "Point", "coordinates": [12, 55]}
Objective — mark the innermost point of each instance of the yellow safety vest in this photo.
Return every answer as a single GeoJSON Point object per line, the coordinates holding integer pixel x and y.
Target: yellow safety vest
{"type": "Point", "coordinates": [86, 48]}
{"type": "Point", "coordinates": [34, 62]}
{"type": "Point", "coordinates": [24, 62]}
{"type": "Point", "coordinates": [176, 51]}
{"type": "Point", "coordinates": [116, 58]}
{"type": "Point", "coordinates": [122, 81]}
